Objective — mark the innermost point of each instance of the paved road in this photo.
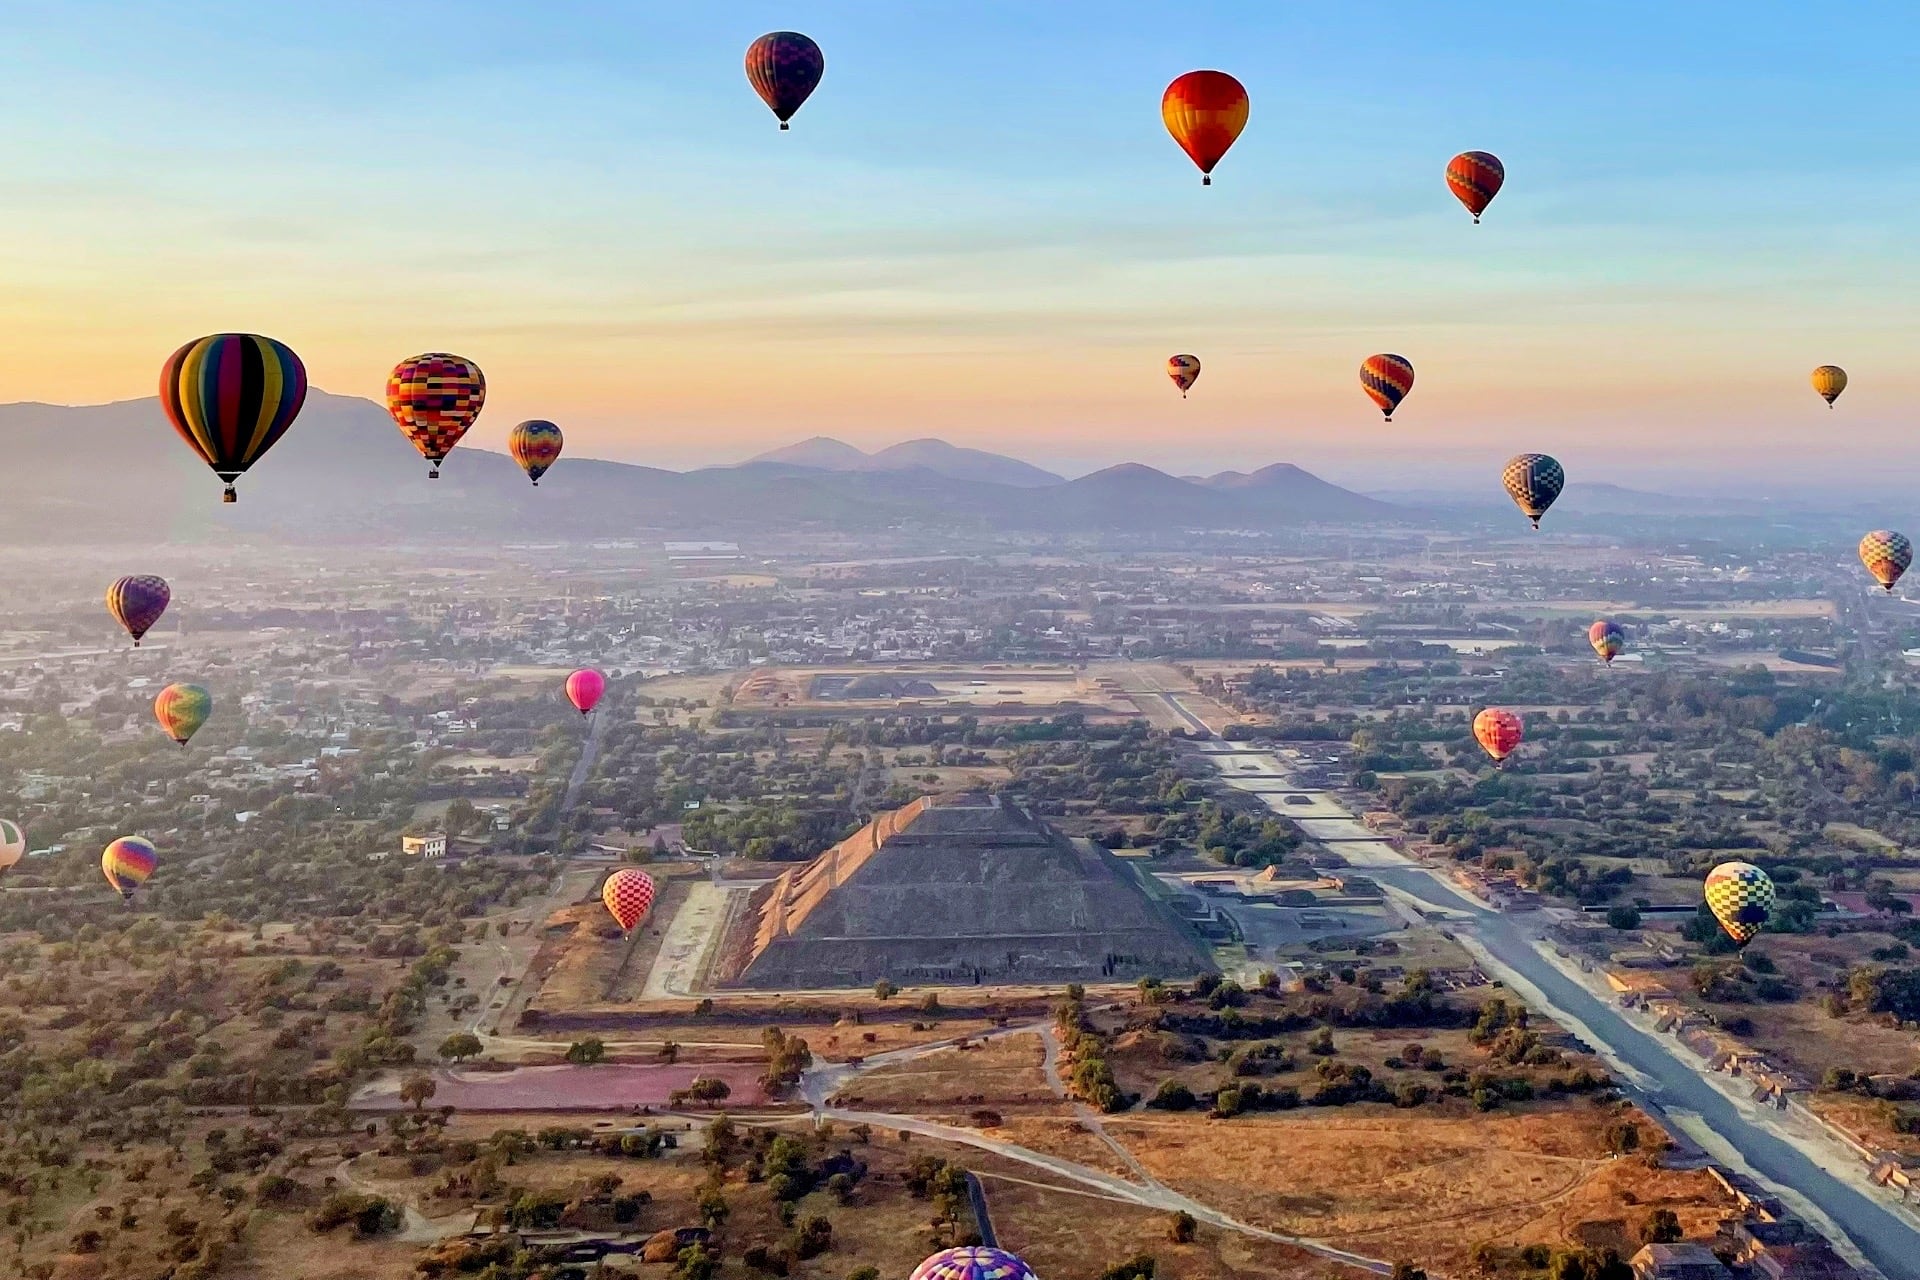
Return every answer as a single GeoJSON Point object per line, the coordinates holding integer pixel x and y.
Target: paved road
{"type": "Point", "coordinates": [1889, 1240]}
{"type": "Point", "coordinates": [596, 725]}
{"type": "Point", "coordinates": [1672, 1080]}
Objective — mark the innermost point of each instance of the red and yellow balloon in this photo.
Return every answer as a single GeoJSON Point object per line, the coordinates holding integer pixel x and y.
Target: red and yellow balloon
{"type": "Point", "coordinates": [1205, 111]}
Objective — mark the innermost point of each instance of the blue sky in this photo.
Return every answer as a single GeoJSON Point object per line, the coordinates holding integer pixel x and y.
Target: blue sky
{"type": "Point", "coordinates": [979, 229]}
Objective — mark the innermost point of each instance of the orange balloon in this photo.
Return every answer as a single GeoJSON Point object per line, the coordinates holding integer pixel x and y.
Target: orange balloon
{"type": "Point", "coordinates": [1498, 731]}
{"type": "Point", "coordinates": [1205, 111]}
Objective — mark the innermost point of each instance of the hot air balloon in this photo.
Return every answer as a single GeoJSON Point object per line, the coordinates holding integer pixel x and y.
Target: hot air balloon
{"type": "Point", "coordinates": [13, 844]}
{"type": "Point", "coordinates": [1533, 481]}
{"type": "Point", "coordinates": [231, 396]}
{"type": "Point", "coordinates": [1886, 555]}
{"type": "Point", "coordinates": [181, 709]}
{"type": "Point", "coordinates": [535, 445]}
{"type": "Point", "coordinates": [137, 601]}
{"type": "Point", "coordinates": [1740, 895]}
{"type": "Point", "coordinates": [1386, 379]}
{"type": "Point", "coordinates": [1185, 371]}
{"type": "Point", "coordinates": [127, 863]}
{"type": "Point", "coordinates": [975, 1262]}
{"type": "Point", "coordinates": [1829, 380]}
{"type": "Point", "coordinates": [1498, 731]}
{"type": "Point", "coordinates": [1607, 639]}
{"type": "Point", "coordinates": [1474, 177]}
{"type": "Point", "coordinates": [1204, 111]}
{"type": "Point", "coordinates": [628, 894]}
{"type": "Point", "coordinates": [784, 68]}
{"type": "Point", "coordinates": [435, 398]}
{"type": "Point", "coordinates": [584, 688]}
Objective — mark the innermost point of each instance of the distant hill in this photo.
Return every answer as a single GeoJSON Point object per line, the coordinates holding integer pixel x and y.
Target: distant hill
{"type": "Point", "coordinates": [116, 473]}
{"type": "Point", "coordinates": [823, 453]}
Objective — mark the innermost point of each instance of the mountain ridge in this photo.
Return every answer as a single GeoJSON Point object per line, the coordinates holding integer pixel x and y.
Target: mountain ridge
{"type": "Point", "coordinates": [117, 472]}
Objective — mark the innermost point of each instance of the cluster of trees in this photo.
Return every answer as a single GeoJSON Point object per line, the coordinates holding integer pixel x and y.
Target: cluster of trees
{"type": "Point", "coordinates": [1089, 1073]}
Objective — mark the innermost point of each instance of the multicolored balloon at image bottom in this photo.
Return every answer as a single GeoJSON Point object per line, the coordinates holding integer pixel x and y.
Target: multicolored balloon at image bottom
{"type": "Point", "coordinates": [628, 894]}
{"type": "Point", "coordinates": [1740, 895]}
{"type": "Point", "coordinates": [127, 863]}
{"type": "Point", "coordinates": [973, 1263]}
{"type": "Point", "coordinates": [584, 688]}
{"type": "Point", "coordinates": [1886, 555]}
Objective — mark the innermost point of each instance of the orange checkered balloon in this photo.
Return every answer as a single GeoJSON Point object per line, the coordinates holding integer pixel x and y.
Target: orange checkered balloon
{"type": "Point", "coordinates": [434, 398]}
{"type": "Point", "coordinates": [628, 894]}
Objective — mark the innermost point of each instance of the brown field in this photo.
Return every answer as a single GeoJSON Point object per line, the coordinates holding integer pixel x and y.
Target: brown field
{"type": "Point", "coordinates": [1004, 1071]}
{"type": "Point", "coordinates": [1066, 1137]}
{"type": "Point", "coordinates": [1427, 1187]}
{"type": "Point", "coordinates": [1804, 1035]}
{"type": "Point", "coordinates": [1067, 1233]}
{"type": "Point", "coordinates": [1866, 1119]}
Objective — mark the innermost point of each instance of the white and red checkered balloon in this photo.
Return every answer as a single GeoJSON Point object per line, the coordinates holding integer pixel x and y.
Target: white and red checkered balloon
{"type": "Point", "coordinates": [628, 894]}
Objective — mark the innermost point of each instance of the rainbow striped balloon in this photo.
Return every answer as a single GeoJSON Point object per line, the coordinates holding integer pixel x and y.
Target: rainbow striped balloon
{"type": "Point", "coordinates": [181, 709]}
{"type": "Point", "coordinates": [127, 863]}
{"type": "Point", "coordinates": [231, 396]}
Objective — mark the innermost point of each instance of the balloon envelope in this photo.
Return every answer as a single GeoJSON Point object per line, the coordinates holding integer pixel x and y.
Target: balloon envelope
{"type": "Point", "coordinates": [1185, 371]}
{"type": "Point", "coordinates": [1886, 555]}
{"type": "Point", "coordinates": [434, 398]}
{"type": "Point", "coordinates": [784, 68]}
{"type": "Point", "coordinates": [13, 843]}
{"type": "Point", "coordinates": [628, 894]}
{"type": "Point", "coordinates": [973, 1263]}
{"type": "Point", "coordinates": [1740, 895]}
{"type": "Point", "coordinates": [137, 601]}
{"type": "Point", "coordinates": [1533, 481]}
{"type": "Point", "coordinates": [127, 863]}
{"type": "Point", "coordinates": [181, 709]}
{"type": "Point", "coordinates": [1607, 639]}
{"type": "Point", "coordinates": [231, 396]}
{"type": "Point", "coordinates": [535, 445]}
{"type": "Point", "coordinates": [1386, 379]}
{"type": "Point", "coordinates": [1204, 111]}
{"type": "Point", "coordinates": [1829, 380]}
{"type": "Point", "coordinates": [584, 688]}
{"type": "Point", "coordinates": [1498, 732]}
{"type": "Point", "coordinates": [1475, 178]}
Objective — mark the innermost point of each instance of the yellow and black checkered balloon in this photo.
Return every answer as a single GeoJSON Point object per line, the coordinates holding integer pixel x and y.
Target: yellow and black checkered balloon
{"type": "Point", "coordinates": [1740, 895]}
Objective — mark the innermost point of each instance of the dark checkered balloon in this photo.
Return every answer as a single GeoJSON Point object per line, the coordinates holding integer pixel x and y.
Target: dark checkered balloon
{"type": "Point", "coordinates": [1533, 481]}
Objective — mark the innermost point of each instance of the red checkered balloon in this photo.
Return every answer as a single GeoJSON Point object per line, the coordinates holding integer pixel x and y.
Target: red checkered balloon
{"type": "Point", "coordinates": [628, 894]}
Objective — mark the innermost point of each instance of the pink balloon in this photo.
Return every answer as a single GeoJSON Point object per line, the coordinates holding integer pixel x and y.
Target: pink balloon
{"type": "Point", "coordinates": [584, 688]}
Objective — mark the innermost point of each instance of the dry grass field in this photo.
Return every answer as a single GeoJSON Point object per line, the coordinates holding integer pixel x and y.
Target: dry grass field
{"type": "Point", "coordinates": [1430, 1186]}
{"type": "Point", "coordinates": [998, 1073]}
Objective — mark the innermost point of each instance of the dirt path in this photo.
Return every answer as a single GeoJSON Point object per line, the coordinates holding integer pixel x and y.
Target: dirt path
{"type": "Point", "coordinates": [1089, 1118]}
{"type": "Point", "coordinates": [819, 1084]}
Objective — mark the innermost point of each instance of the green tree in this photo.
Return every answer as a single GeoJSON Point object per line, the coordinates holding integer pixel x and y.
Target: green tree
{"type": "Point", "coordinates": [460, 1045]}
{"type": "Point", "coordinates": [587, 1052]}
